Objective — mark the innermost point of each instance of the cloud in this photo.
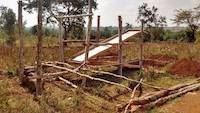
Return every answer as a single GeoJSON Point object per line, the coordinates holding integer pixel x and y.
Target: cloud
{"type": "Point", "coordinates": [110, 9]}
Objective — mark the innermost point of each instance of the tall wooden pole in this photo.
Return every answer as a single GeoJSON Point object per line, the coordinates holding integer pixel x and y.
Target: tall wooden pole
{"type": "Point", "coordinates": [21, 41]}
{"type": "Point", "coordinates": [39, 49]}
{"type": "Point", "coordinates": [98, 29]}
{"type": "Point", "coordinates": [120, 46]}
{"type": "Point", "coordinates": [61, 47]}
{"type": "Point", "coordinates": [141, 46]}
{"type": "Point", "coordinates": [88, 32]}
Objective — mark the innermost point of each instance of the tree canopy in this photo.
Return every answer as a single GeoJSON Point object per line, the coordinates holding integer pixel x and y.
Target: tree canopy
{"type": "Point", "coordinates": [190, 18]}
{"type": "Point", "coordinates": [152, 21]}
{"type": "Point", "coordinates": [7, 23]}
{"type": "Point", "coordinates": [63, 7]}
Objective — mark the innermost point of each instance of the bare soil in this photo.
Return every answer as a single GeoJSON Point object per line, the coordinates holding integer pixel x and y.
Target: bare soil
{"type": "Point", "coordinates": [189, 103]}
{"type": "Point", "coordinates": [166, 58]}
{"type": "Point", "coordinates": [186, 67]}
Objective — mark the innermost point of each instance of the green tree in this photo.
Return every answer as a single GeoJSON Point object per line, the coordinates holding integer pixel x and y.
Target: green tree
{"type": "Point", "coordinates": [33, 30]}
{"type": "Point", "coordinates": [128, 26]}
{"type": "Point", "coordinates": [190, 18]}
{"type": "Point", "coordinates": [54, 8]}
{"type": "Point", "coordinates": [7, 23]}
{"type": "Point", "coordinates": [153, 22]}
{"type": "Point", "coordinates": [106, 32]}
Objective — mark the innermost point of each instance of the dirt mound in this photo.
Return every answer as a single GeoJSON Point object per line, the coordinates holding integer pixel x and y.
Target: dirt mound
{"type": "Point", "coordinates": [162, 57]}
{"type": "Point", "coordinates": [186, 67]}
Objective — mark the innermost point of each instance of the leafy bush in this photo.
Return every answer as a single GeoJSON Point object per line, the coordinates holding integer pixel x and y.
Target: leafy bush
{"type": "Point", "coordinates": [169, 35]}
{"type": "Point", "coordinates": [3, 36]}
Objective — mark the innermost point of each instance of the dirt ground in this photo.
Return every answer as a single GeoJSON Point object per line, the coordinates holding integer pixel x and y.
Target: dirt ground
{"type": "Point", "coordinates": [186, 67]}
{"type": "Point", "coordinates": [189, 103]}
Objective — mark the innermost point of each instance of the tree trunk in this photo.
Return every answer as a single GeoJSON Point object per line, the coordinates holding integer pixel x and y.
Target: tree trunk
{"type": "Point", "coordinates": [39, 50]}
{"type": "Point", "coordinates": [191, 36]}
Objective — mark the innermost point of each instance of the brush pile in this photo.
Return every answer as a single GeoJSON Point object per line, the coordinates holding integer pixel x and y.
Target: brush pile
{"type": "Point", "coordinates": [158, 98]}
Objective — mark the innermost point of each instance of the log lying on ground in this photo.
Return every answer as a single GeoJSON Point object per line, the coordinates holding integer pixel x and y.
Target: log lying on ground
{"type": "Point", "coordinates": [159, 94]}
{"type": "Point", "coordinates": [163, 100]}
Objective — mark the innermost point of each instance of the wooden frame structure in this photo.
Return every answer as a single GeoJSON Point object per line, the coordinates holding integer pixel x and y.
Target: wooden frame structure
{"type": "Point", "coordinates": [39, 75]}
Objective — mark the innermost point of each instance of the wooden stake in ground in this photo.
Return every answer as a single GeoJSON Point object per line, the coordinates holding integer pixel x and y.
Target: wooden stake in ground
{"type": "Point", "coordinates": [88, 32]}
{"type": "Point", "coordinates": [120, 46]}
{"type": "Point", "coordinates": [61, 47]}
{"type": "Point", "coordinates": [21, 43]}
{"type": "Point", "coordinates": [39, 50]}
{"type": "Point", "coordinates": [98, 29]}
{"type": "Point", "coordinates": [141, 46]}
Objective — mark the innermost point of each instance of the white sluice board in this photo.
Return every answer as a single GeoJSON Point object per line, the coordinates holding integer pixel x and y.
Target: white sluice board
{"type": "Point", "coordinates": [102, 48]}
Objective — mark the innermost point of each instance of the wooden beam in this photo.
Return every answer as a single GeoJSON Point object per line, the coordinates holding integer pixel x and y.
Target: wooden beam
{"type": "Point", "coordinates": [78, 41]}
{"type": "Point", "coordinates": [120, 46]}
{"type": "Point", "coordinates": [21, 42]}
{"type": "Point", "coordinates": [75, 16]}
{"type": "Point", "coordinates": [39, 49]}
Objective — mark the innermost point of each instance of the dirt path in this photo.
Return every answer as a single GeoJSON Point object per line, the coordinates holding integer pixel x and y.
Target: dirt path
{"type": "Point", "coordinates": [189, 103]}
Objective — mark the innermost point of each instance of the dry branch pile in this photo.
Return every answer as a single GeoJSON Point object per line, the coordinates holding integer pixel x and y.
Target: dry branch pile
{"type": "Point", "coordinates": [158, 98]}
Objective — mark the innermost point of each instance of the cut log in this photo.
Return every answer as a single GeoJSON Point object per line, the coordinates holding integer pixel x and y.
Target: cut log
{"type": "Point", "coordinates": [159, 94]}
{"type": "Point", "coordinates": [163, 100]}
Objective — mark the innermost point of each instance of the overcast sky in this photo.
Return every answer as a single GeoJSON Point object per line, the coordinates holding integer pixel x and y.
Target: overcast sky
{"type": "Point", "coordinates": [110, 9]}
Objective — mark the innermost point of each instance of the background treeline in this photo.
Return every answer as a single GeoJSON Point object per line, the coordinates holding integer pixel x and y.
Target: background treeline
{"type": "Point", "coordinates": [155, 25]}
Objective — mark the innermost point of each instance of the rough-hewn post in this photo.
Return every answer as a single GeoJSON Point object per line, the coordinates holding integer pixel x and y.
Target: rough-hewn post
{"type": "Point", "coordinates": [21, 41]}
{"type": "Point", "coordinates": [61, 47]}
{"type": "Point", "coordinates": [141, 45]}
{"type": "Point", "coordinates": [98, 29]}
{"type": "Point", "coordinates": [88, 32]}
{"type": "Point", "coordinates": [39, 49]}
{"type": "Point", "coordinates": [120, 46]}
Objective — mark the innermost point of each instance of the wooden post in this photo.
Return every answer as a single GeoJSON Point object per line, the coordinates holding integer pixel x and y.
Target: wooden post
{"type": "Point", "coordinates": [61, 47]}
{"type": "Point", "coordinates": [141, 46]}
{"type": "Point", "coordinates": [120, 46]}
{"type": "Point", "coordinates": [98, 29]}
{"type": "Point", "coordinates": [39, 49]}
{"type": "Point", "coordinates": [21, 43]}
{"type": "Point", "coordinates": [88, 32]}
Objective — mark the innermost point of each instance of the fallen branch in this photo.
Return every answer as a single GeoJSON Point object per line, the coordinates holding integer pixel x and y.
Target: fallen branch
{"type": "Point", "coordinates": [87, 76]}
{"type": "Point", "coordinates": [132, 96]}
{"type": "Point", "coordinates": [68, 82]}
{"type": "Point", "coordinates": [112, 74]}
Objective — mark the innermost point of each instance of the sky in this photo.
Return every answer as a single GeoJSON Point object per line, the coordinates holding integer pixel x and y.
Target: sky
{"type": "Point", "coordinates": [111, 9]}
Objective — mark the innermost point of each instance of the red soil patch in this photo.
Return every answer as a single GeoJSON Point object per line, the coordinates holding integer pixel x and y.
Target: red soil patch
{"type": "Point", "coordinates": [186, 67]}
{"type": "Point", "coordinates": [162, 58]}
